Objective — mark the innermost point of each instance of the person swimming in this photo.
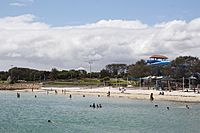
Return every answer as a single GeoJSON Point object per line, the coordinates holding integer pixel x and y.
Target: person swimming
{"type": "Point", "coordinates": [35, 96]}
{"type": "Point", "coordinates": [167, 108]}
{"type": "Point", "coordinates": [187, 106]}
{"type": "Point", "coordinates": [96, 105]}
{"type": "Point", "coordinates": [93, 105]}
{"type": "Point", "coordinates": [100, 106]}
{"type": "Point", "coordinates": [18, 95]}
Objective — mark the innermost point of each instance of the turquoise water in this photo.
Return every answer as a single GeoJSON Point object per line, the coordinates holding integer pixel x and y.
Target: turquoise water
{"type": "Point", "coordinates": [118, 115]}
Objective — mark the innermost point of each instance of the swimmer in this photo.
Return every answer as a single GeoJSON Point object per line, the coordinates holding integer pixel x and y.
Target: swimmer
{"type": "Point", "coordinates": [167, 108]}
{"type": "Point", "coordinates": [100, 106]}
{"type": "Point", "coordinates": [50, 121]}
{"type": "Point", "coordinates": [18, 95]}
{"type": "Point", "coordinates": [187, 106]}
{"type": "Point", "coordinates": [156, 105]}
{"type": "Point", "coordinates": [93, 105]}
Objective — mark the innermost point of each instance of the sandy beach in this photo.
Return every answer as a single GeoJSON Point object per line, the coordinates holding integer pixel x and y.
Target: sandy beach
{"type": "Point", "coordinates": [133, 93]}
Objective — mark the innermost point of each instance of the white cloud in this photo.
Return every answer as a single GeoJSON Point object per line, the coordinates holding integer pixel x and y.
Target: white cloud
{"type": "Point", "coordinates": [29, 43]}
{"type": "Point", "coordinates": [21, 3]}
{"type": "Point", "coordinates": [24, 22]}
{"type": "Point", "coordinates": [116, 24]}
{"type": "Point", "coordinates": [18, 4]}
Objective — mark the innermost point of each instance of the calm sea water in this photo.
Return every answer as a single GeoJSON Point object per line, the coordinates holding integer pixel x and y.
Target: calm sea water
{"type": "Point", "coordinates": [118, 115]}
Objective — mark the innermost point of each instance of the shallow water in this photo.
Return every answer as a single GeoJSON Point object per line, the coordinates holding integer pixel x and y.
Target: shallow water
{"type": "Point", "coordinates": [118, 115]}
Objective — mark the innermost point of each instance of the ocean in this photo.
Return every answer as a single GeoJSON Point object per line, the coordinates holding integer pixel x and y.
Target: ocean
{"type": "Point", "coordinates": [28, 114]}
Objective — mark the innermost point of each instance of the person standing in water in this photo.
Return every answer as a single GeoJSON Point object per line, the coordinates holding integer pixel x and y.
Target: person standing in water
{"type": "Point", "coordinates": [151, 97]}
{"type": "Point", "coordinates": [18, 95]}
{"type": "Point", "coordinates": [108, 94]}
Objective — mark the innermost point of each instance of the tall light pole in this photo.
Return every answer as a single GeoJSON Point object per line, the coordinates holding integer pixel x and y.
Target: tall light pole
{"type": "Point", "coordinates": [183, 83]}
{"type": "Point", "coordinates": [90, 63]}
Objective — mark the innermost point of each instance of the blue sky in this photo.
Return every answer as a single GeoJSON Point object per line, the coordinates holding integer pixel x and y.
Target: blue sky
{"type": "Point", "coordinates": [77, 12]}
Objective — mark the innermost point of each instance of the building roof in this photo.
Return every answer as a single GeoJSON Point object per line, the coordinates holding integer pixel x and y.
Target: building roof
{"type": "Point", "coordinates": [80, 68]}
{"type": "Point", "coordinates": [159, 57]}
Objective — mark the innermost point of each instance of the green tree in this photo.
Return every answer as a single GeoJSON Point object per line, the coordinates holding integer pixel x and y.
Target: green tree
{"type": "Point", "coordinates": [104, 73]}
{"type": "Point", "coordinates": [117, 70]}
{"type": "Point", "coordinates": [54, 74]}
{"type": "Point", "coordinates": [140, 69]}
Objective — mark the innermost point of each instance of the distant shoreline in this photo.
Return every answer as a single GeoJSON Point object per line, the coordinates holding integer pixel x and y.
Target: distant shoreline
{"type": "Point", "coordinates": [19, 86]}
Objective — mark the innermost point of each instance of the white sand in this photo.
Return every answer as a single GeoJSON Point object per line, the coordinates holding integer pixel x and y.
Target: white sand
{"type": "Point", "coordinates": [130, 93]}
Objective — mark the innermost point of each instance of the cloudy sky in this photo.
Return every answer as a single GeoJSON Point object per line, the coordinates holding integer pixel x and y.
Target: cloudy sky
{"type": "Point", "coordinates": [66, 34]}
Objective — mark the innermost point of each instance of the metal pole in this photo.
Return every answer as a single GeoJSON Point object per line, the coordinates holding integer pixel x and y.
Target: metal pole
{"type": "Point", "coordinates": [189, 84]}
{"type": "Point", "coordinates": [183, 83]}
{"type": "Point", "coordinates": [90, 63]}
{"type": "Point", "coordinates": [116, 81]}
{"type": "Point", "coordinates": [127, 81]}
{"type": "Point", "coordinates": [90, 70]}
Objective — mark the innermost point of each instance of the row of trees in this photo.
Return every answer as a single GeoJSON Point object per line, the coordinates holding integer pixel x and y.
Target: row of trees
{"type": "Point", "coordinates": [26, 74]}
{"type": "Point", "coordinates": [183, 66]}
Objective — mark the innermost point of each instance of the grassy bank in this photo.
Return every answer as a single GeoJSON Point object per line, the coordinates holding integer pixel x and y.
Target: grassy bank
{"type": "Point", "coordinates": [84, 82]}
{"type": "Point", "coordinates": [81, 82]}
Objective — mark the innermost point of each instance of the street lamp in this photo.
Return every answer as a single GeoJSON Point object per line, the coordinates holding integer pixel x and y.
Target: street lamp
{"type": "Point", "coordinates": [90, 63]}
